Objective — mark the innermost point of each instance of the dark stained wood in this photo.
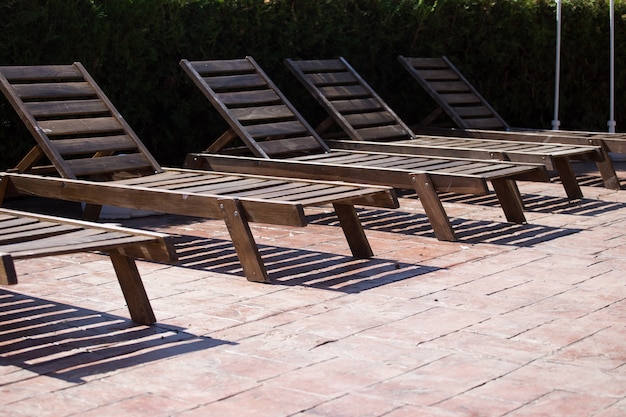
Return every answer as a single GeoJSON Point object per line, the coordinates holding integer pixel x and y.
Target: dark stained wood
{"type": "Point", "coordinates": [102, 161]}
{"type": "Point", "coordinates": [430, 72]}
{"type": "Point", "coordinates": [477, 118]}
{"type": "Point", "coordinates": [44, 72]}
{"type": "Point", "coordinates": [338, 83]}
{"type": "Point", "coordinates": [235, 93]}
{"type": "Point", "coordinates": [239, 229]}
{"type": "Point", "coordinates": [24, 235]}
{"type": "Point", "coordinates": [66, 108]}
{"type": "Point", "coordinates": [381, 124]}
{"type": "Point", "coordinates": [80, 126]}
{"type": "Point", "coordinates": [354, 233]}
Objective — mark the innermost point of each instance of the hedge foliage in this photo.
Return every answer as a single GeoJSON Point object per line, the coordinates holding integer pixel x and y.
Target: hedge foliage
{"type": "Point", "coordinates": [132, 48]}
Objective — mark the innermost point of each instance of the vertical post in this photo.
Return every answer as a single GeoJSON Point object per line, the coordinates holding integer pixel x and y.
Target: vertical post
{"type": "Point", "coordinates": [611, 122]}
{"type": "Point", "coordinates": [555, 122]}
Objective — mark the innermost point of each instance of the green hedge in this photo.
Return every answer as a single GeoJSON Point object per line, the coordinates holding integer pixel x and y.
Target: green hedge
{"type": "Point", "coordinates": [132, 48]}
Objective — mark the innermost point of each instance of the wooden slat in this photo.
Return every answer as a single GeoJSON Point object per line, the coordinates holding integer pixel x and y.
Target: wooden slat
{"type": "Point", "coordinates": [461, 98]}
{"type": "Point", "coordinates": [97, 125]}
{"type": "Point", "coordinates": [291, 128]}
{"type": "Point", "coordinates": [473, 111]}
{"type": "Point", "coordinates": [331, 78]}
{"type": "Point", "coordinates": [326, 65]}
{"type": "Point", "coordinates": [91, 145]}
{"type": "Point", "coordinates": [54, 90]}
{"type": "Point", "coordinates": [453, 86]}
{"type": "Point", "coordinates": [108, 164]}
{"type": "Point", "coordinates": [344, 92]}
{"type": "Point", "coordinates": [356, 105]}
{"type": "Point", "coordinates": [239, 98]}
{"type": "Point", "coordinates": [172, 177]}
{"type": "Point", "coordinates": [426, 62]}
{"type": "Point", "coordinates": [41, 72]}
{"type": "Point", "coordinates": [369, 119]}
{"type": "Point", "coordinates": [66, 108]}
{"type": "Point", "coordinates": [234, 82]}
{"type": "Point", "coordinates": [229, 189]}
{"type": "Point", "coordinates": [211, 67]}
{"type": "Point", "coordinates": [291, 146]}
{"type": "Point", "coordinates": [276, 112]}
{"type": "Point", "coordinates": [437, 74]}
{"type": "Point", "coordinates": [383, 133]}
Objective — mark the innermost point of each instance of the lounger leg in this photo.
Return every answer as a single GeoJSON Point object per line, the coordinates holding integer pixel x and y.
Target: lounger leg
{"type": "Point", "coordinates": [244, 243]}
{"type": "Point", "coordinates": [432, 205]}
{"type": "Point", "coordinates": [8, 276]}
{"type": "Point", "coordinates": [568, 178]}
{"type": "Point", "coordinates": [133, 289]}
{"type": "Point", "coordinates": [92, 212]}
{"type": "Point", "coordinates": [510, 200]}
{"type": "Point", "coordinates": [353, 229]}
{"type": "Point", "coordinates": [607, 169]}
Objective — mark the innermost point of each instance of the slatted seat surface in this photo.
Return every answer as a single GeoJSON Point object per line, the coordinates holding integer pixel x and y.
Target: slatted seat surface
{"type": "Point", "coordinates": [294, 156]}
{"type": "Point", "coordinates": [258, 189]}
{"type": "Point", "coordinates": [443, 167]}
{"type": "Point", "coordinates": [475, 117]}
{"type": "Point", "coordinates": [24, 235]}
{"type": "Point", "coordinates": [102, 161]}
{"type": "Point", "coordinates": [340, 90]}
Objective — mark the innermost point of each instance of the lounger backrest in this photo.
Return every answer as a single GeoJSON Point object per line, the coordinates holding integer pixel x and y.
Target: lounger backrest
{"type": "Point", "coordinates": [254, 107]}
{"type": "Point", "coordinates": [453, 93]}
{"type": "Point", "coordinates": [349, 100]}
{"type": "Point", "coordinates": [75, 125]}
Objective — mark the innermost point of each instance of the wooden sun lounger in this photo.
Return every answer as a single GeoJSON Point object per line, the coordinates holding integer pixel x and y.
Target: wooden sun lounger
{"type": "Point", "coordinates": [283, 143]}
{"type": "Point", "coordinates": [25, 235]}
{"type": "Point", "coordinates": [476, 118]}
{"type": "Point", "coordinates": [103, 162]}
{"type": "Point", "coordinates": [372, 125]}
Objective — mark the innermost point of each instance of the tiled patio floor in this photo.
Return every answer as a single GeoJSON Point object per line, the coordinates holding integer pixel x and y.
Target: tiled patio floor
{"type": "Point", "coordinates": [512, 320]}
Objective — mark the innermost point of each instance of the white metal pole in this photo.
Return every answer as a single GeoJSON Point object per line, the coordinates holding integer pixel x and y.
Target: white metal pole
{"type": "Point", "coordinates": [555, 121]}
{"type": "Point", "coordinates": [611, 122]}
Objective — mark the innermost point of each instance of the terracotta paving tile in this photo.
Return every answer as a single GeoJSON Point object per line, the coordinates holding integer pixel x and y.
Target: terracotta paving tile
{"type": "Point", "coordinates": [601, 350]}
{"type": "Point", "coordinates": [431, 323]}
{"type": "Point", "coordinates": [517, 351]}
{"type": "Point", "coordinates": [347, 375]}
{"type": "Point", "coordinates": [50, 404]}
{"type": "Point", "coordinates": [470, 404]}
{"type": "Point", "coordinates": [573, 378]}
{"type": "Point", "coordinates": [261, 401]}
{"type": "Point", "coordinates": [412, 411]}
{"type": "Point", "coordinates": [351, 405]}
{"type": "Point", "coordinates": [617, 409]}
{"type": "Point", "coordinates": [511, 320]}
{"type": "Point", "coordinates": [559, 333]}
{"type": "Point", "coordinates": [511, 324]}
{"type": "Point", "coordinates": [563, 403]}
{"type": "Point", "coordinates": [504, 390]}
{"type": "Point", "coordinates": [297, 348]}
{"type": "Point", "coordinates": [383, 351]}
{"type": "Point", "coordinates": [144, 404]}
{"type": "Point", "coordinates": [441, 379]}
